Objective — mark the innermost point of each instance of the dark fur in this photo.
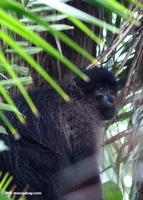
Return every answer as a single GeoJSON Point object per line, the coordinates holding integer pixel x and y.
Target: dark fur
{"type": "Point", "coordinates": [64, 134]}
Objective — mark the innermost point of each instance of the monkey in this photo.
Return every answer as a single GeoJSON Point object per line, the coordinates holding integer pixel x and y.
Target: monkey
{"type": "Point", "coordinates": [57, 153]}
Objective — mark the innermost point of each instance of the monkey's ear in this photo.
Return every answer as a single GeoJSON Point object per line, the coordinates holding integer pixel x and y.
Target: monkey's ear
{"type": "Point", "coordinates": [87, 87]}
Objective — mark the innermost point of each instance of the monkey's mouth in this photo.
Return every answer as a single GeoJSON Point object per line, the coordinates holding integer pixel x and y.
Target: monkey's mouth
{"type": "Point", "coordinates": [108, 111]}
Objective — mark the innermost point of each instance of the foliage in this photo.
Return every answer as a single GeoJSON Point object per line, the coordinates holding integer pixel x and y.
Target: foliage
{"type": "Point", "coordinates": [111, 190]}
{"type": "Point", "coordinates": [118, 44]}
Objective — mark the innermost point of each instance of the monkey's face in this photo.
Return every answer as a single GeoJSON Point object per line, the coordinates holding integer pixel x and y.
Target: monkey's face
{"type": "Point", "coordinates": [102, 87]}
{"type": "Point", "coordinates": [105, 96]}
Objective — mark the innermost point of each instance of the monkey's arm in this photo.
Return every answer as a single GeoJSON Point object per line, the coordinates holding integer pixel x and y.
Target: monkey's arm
{"type": "Point", "coordinates": [4, 163]}
{"type": "Point", "coordinates": [29, 164]}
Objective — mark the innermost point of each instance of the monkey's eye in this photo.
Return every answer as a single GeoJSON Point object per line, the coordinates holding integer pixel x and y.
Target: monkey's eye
{"type": "Point", "coordinates": [112, 92]}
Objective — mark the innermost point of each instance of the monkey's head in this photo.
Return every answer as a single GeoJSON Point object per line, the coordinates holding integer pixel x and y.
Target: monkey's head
{"type": "Point", "coordinates": [103, 88]}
